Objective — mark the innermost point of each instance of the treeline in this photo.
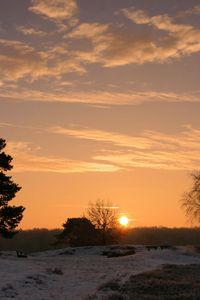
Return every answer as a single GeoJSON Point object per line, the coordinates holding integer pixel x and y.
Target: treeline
{"type": "Point", "coordinates": [162, 235]}
{"type": "Point", "coordinates": [31, 240]}
{"type": "Point", "coordinates": [43, 239]}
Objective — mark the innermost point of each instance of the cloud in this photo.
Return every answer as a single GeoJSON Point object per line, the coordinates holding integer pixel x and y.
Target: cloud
{"type": "Point", "coordinates": [96, 34]}
{"type": "Point", "coordinates": [111, 45]}
{"type": "Point", "coordinates": [114, 151]}
{"type": "Point", "coordinates": [165, 160]}
{"type": "Point", "coordinates": [18, 59]}
{"type": "Point", "coordinates": [161, 22]}
{"type": "Point", "coordinates": [158, 39]}
{"type": "Point", "coordinates": [94, 97]}
{"type": "Point", "coordinates": [180, 39]}
{"type": "Point", "coordinates": [114, 45]}
{"type": "Point", "coordinates": [103, 136]}
{"type": "Point", "coordinates": [31, 31]}
{"type": "Point", "coordinates": [173, 152]}
{"type": "Point", "coordinates": [61, 61]}
{"type": "Point", "coordinates": [28, 159]}
{"type": "Point", "coordinates": [151, 149]}
{"type": "Point", "coordinates": [195, 10]}
{"type": "Point", "coordinates": [92, 31]}
{"type": "Point", "coordinates": [57, 10]}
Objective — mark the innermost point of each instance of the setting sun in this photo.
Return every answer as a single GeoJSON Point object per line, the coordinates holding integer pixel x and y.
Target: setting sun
{"type": "Point", "coordinates": [123, 221]}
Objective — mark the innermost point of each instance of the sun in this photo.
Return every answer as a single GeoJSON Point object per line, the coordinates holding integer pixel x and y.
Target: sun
{"type": "Point", "coordinates": [123, 221]}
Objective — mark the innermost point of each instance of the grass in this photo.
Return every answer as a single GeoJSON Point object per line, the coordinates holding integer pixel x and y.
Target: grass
{"type": "Point", "coordinates": [168, 283]}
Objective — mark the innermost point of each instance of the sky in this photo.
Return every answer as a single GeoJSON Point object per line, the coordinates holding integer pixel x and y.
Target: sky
{"type": "Point", "coordinates": [101, 100]}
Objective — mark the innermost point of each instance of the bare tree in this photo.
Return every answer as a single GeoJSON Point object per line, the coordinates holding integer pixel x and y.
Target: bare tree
{"type": "Point", "coordinates": [103, 216]}
{"type": "Point", "coordinates": [191, 200]}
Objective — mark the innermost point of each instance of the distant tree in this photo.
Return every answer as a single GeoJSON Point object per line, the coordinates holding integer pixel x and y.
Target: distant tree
{"type": "Point", "coordinates": [10, 216]}
{"type": "Point", "coordinates": [191, 199]}
{"type": "Point", "coordinates": [78, 232]}
{"type": "Point", "coordinates": [104, 217]}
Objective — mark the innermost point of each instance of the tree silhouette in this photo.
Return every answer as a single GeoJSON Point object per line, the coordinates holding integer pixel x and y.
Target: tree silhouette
{"type": "Point", "coordinates": [10, 216]}
{"type": "Point", "coordinates": [191, 200]}
{"type": "Point", "coordinates": [104, 217]}
{"type": "Point", "coordinates": [78, 232]}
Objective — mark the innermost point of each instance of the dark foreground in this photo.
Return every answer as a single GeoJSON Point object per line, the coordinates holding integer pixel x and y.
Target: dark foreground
{"type": "Point", "coordinates": [171, 282]}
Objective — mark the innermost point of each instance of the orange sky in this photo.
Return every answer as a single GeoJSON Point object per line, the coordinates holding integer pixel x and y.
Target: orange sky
{"type": "Point", "coordinates": [101, 99]}
{"type": "Point", "coordinates": [147, 197]}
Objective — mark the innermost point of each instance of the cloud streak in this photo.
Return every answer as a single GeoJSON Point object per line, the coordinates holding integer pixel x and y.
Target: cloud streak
{"type": "Point", "coordinates": [94, 97]}
{"type": "Point", "coordinates": [114, 151]}
{"type": "Point", "coordinates": [28, 159]}
{"type": "Point", "coordinates": [149, 150]}
{"type": "Point", "coordinates": [103, 136]}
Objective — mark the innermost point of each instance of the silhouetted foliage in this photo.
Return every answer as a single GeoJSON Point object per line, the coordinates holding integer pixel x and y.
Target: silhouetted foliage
{"type": "Point", "coordinates": [191, 200]}
{"type": "Point", "coordinates": [10, 216]}
{"type": "Point", "coordinates": [79, 232]}
{"type": "Point", "coordinates": [104, 217]}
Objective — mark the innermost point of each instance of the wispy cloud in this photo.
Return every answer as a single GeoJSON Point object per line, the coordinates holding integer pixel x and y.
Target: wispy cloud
{"type": "Point", "coordinates": [18, 59]}
{"type": "Point", "coordinates": [194, 10]}
{"type": "Point", "coordinates": [56, 9]}
{"type": "Point", "coordinates": [130, 97]}
{"type": "Point", "coordinates": [32, 31]}
{"type": "Point", "coordinates": [103, 136]}
{"type": "Point", "coordinates": [114, 151]}
{"type": "Point", "coordinates": [110, 45]}
{"type": "Point", "coordinates": [179, 160]}
{"type": "Point", "coordinates": [149, 150]}
{"type": "Point", "coordinates": [27, 158]}
{"type": "Point", "coordinates": [97, 35]}
{"type": "Point", "coordinates": [180, 39]}
{"type": "Point", "coordinates": [116, 45]}
{"type": "Point", "coordinates": [155, 39]}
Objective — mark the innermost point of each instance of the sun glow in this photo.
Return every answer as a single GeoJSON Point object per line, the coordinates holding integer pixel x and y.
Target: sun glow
{"type": "Point", "coordinates": [123, 221]}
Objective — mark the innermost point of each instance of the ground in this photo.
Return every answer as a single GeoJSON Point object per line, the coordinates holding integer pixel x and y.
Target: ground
{"type": "Point", "coordinates": [84, 273]}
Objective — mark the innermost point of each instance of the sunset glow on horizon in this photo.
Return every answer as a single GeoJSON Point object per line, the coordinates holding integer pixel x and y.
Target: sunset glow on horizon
{"type": "Point", "coordinates": [100, 99]}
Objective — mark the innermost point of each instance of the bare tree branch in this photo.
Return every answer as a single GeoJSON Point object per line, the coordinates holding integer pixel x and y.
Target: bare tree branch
{"type": "Point", "coordinates": [190, 201]}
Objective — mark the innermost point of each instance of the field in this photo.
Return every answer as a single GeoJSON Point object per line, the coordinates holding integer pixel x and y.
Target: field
{"type": "Point", "coordinates": [86, 274]}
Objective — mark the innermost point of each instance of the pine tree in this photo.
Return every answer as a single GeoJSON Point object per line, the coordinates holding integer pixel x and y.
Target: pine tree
{"type": "Point", "coordinates": [10, 216]}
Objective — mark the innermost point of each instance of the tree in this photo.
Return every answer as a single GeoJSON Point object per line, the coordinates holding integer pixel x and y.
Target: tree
{"type": "Point", "coordinates": [10, 216]}
{"type": "Point", "coordinates": [191, 200]}
{"type": "Point", "coordinates": [104, 216]}
{"type": "Point", "coordinates": [78, 232]}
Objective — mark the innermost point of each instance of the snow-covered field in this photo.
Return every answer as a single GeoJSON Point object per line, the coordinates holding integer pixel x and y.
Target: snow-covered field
{"type": "Point", "coordinates": [60, 275]}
